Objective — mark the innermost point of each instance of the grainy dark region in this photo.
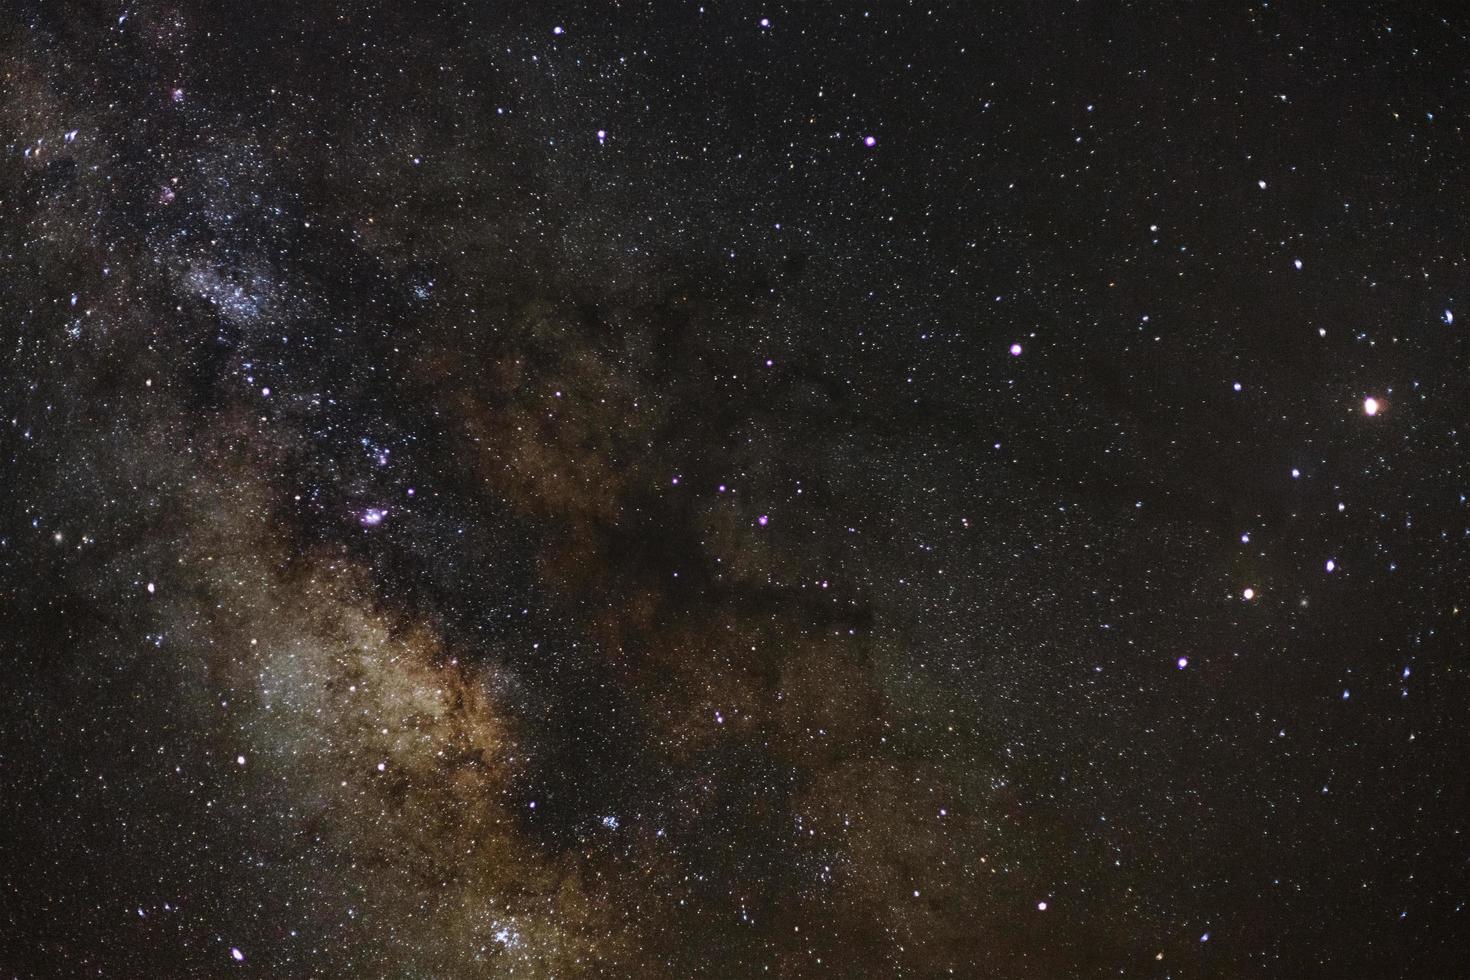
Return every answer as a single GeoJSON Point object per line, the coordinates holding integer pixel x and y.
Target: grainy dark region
{"type": "Point", "coordinates": [734, 489]}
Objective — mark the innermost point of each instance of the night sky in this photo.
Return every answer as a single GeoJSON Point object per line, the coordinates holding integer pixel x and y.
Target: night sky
{"type": "Point", "coordinates": [653, 489]}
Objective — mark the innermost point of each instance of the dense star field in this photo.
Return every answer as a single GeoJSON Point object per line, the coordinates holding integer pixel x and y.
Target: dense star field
{"type": "Point", "coordinates": [662, 489]}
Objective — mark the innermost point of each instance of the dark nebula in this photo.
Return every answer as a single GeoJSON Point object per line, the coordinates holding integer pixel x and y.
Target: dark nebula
{"type": "Point", "coordinates": [661, 489]}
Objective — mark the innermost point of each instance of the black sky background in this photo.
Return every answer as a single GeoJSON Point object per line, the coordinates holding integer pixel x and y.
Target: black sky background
{"type": "Point", "coordinates": [571, 707]}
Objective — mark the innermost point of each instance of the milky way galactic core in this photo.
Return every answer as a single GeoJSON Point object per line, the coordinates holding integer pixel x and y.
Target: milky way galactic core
{"type": "Point", "coordinates": [674, 489]}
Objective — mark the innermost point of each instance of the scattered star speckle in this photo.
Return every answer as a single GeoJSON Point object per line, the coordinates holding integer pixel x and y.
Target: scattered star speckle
{"type": "Point", "coordinates": [495, 490]}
